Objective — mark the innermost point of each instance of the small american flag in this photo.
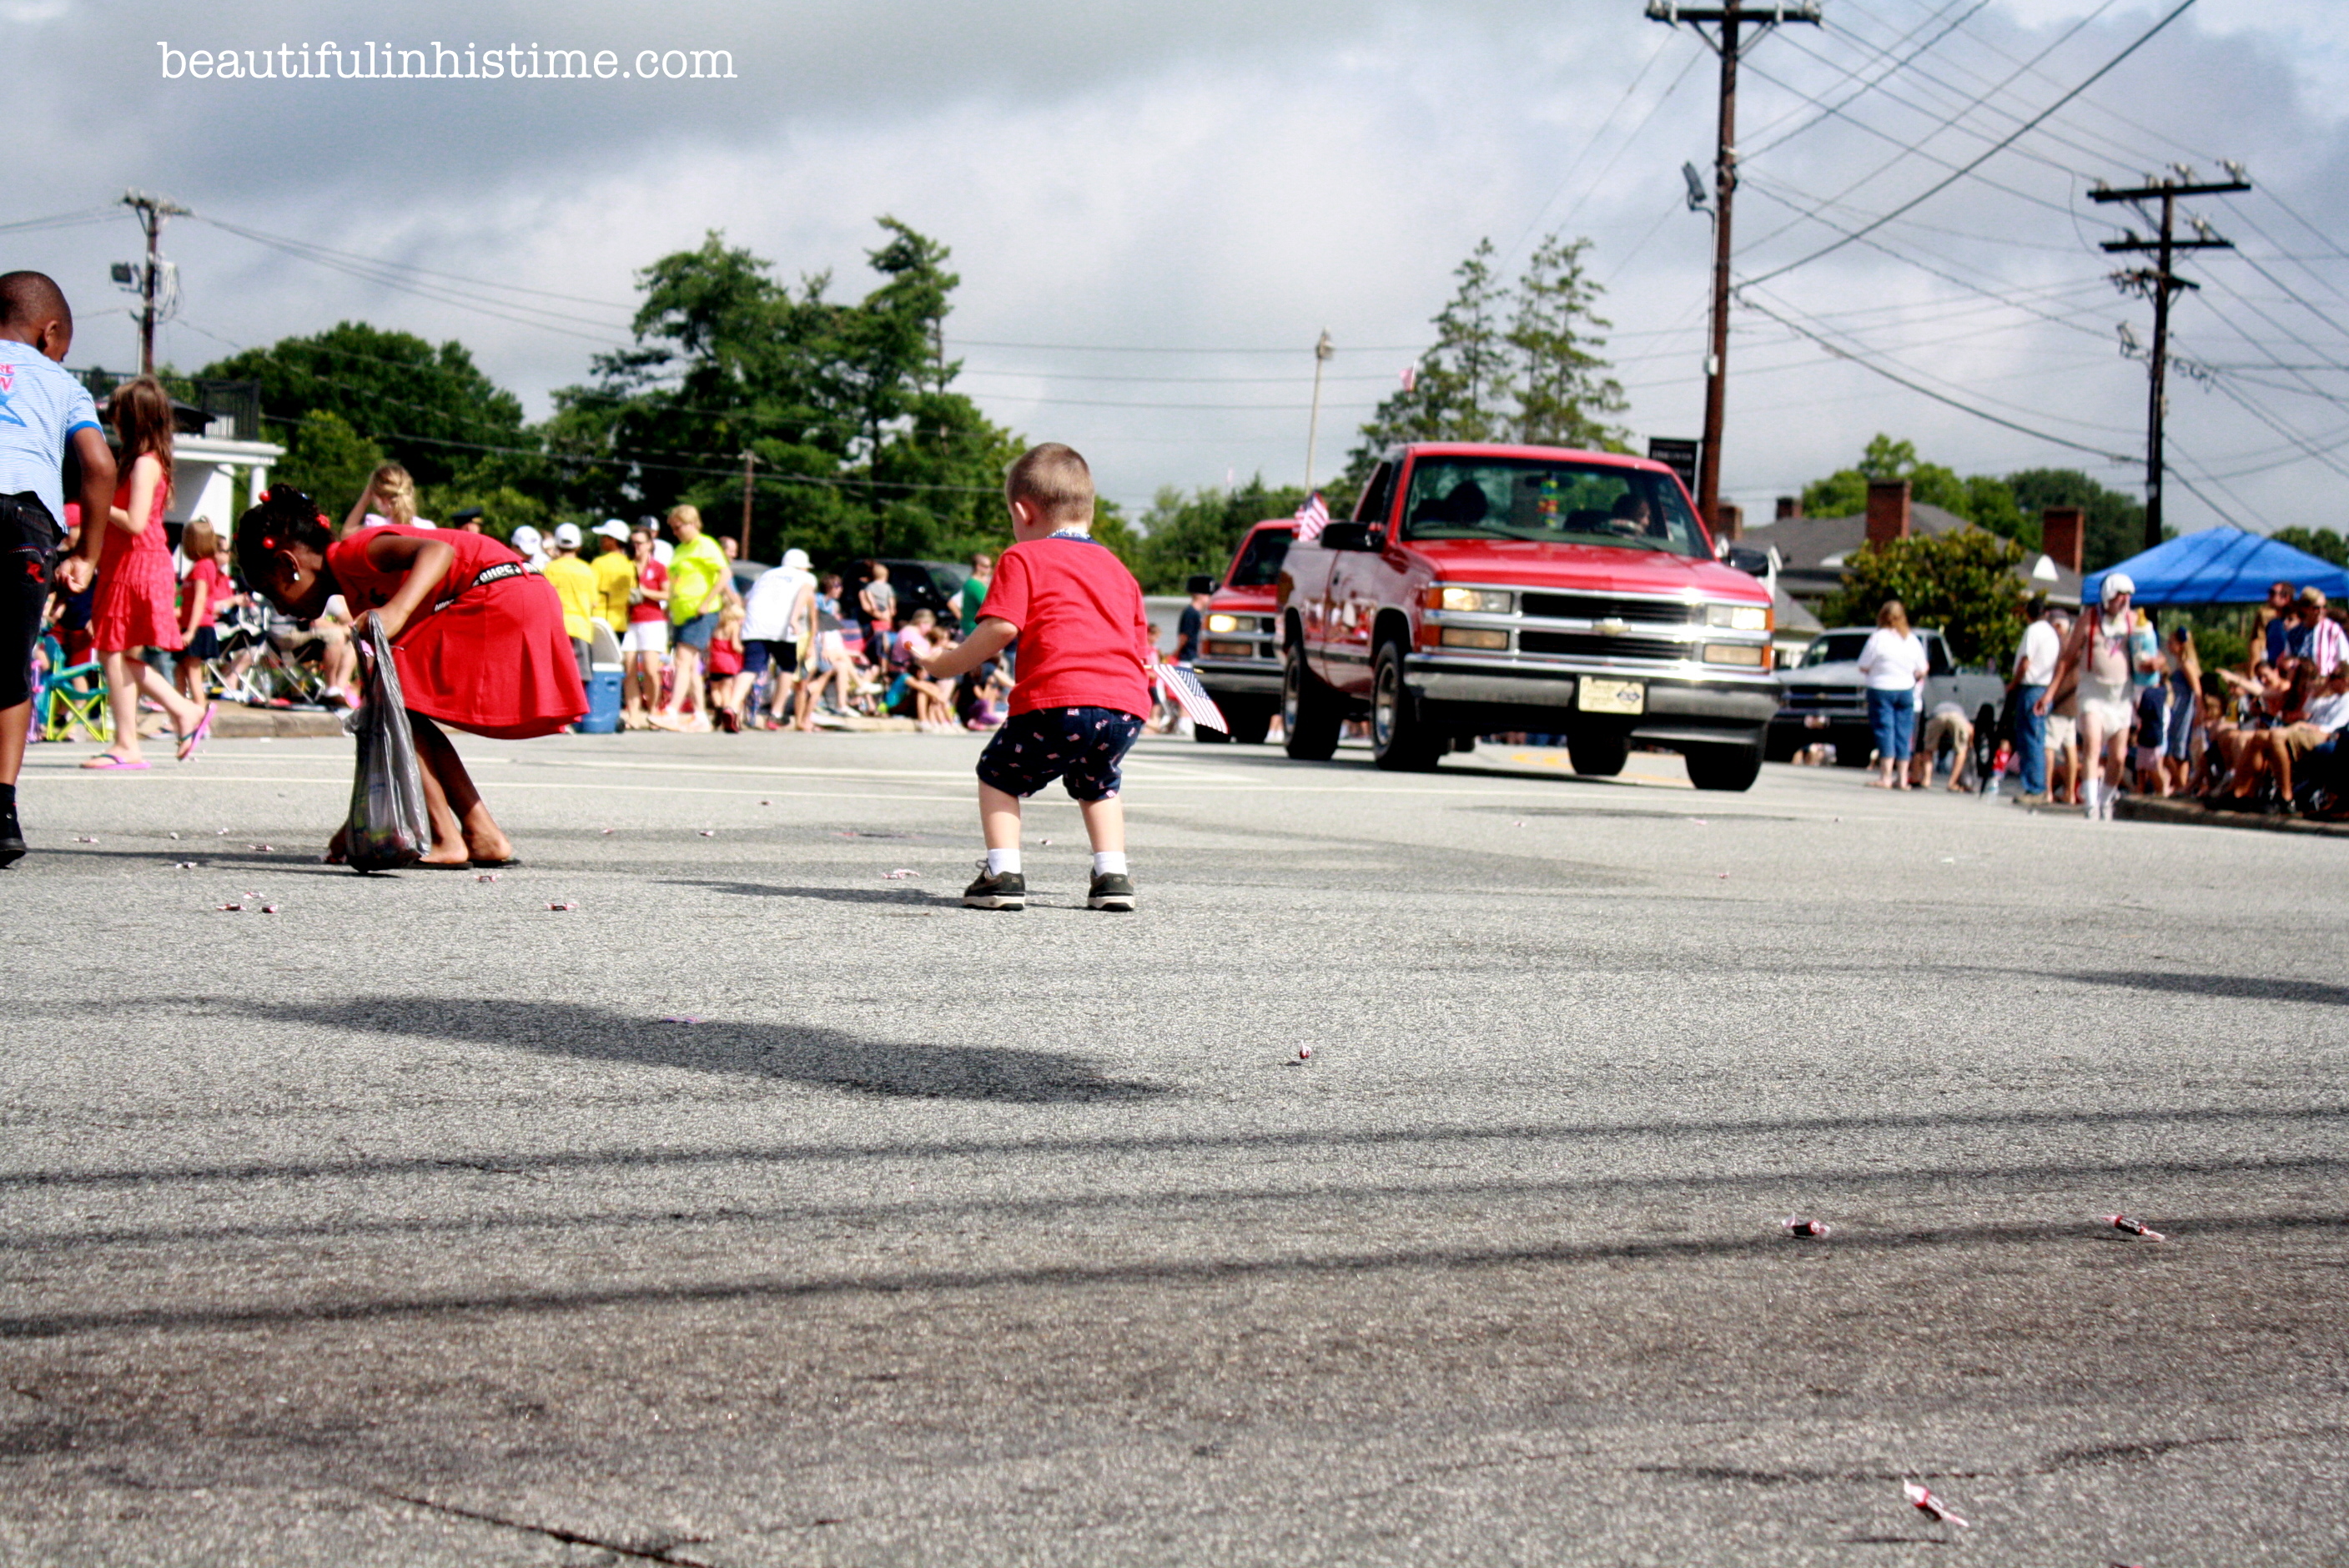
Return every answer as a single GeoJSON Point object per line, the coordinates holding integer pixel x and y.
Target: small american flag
{"type": "Point", "coordinates": [1192, 697]}
{"type": "Point", "coordinates": [1411, 377]}
{"type": "Point", "coordinates": [1311, 518]}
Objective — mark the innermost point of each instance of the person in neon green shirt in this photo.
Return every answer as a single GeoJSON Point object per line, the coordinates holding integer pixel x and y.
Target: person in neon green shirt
{"type": "Point", "coordinates": [699, 577]}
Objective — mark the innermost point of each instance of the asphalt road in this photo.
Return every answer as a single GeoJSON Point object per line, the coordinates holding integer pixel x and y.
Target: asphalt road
{"type": "Point", "coordinates": [402, 1226]}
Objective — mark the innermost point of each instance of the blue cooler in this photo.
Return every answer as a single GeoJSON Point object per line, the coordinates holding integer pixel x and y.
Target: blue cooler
{"type": "Point", "coordinates": [603, 683]}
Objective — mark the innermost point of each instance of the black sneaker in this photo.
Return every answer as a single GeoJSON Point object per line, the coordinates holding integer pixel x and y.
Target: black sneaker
{"type": "Point", "coordinates": [12, 839]}
{"type": "Point", "coordinates": [1008, 891]}
{"type": "Point", "coordinates": [1111, 890]}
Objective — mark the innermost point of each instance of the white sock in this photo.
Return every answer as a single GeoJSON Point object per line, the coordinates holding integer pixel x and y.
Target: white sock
{"type": "Point", "coordinates": [2095, 806]}
{"type": "Point", "coordinates": [1000, 861]}
{"type": "Point", "coordinates": [1109, 863]}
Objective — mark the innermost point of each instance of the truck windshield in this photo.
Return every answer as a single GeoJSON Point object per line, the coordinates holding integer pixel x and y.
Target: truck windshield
{"type": "Point", "coordinates": [1835, 648]}
{"type": "Point", "coordinates": [1559, 502]}
{"type": "Point", "coordinates": [1259, 562]}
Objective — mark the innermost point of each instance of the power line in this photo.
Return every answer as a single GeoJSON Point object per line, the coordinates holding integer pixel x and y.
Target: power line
{"type": "Point", "coordinates": [1993, 150]}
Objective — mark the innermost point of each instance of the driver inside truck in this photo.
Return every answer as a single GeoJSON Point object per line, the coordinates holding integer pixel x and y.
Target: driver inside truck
{"type": "Point", "coordinates": [1629, 516]}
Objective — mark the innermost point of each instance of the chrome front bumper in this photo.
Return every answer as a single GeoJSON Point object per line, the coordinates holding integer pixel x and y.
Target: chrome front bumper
{"type": "Point", "coordinates": [1684, 700]}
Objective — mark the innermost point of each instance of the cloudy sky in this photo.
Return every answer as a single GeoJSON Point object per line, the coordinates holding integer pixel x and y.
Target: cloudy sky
{"type": "Point", "coordinates": [1156, 208]}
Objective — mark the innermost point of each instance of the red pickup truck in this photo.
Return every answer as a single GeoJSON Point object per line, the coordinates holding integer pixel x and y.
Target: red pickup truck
{"type": "Point", "coordinates": [1481, 588]}
{"type": "Point", "coordinates": [1239, 647]}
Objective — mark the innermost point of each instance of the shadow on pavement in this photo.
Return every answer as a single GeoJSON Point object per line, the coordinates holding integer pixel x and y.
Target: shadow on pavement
{"type": "Point", "coordinates": [899, 894]}
{"type": "Point", "coordinates": [2246, 986]}
{"type": "Point", "coordinates": [826, 1058]}
{"type": "Point", "coordinates": [1439, 1260]}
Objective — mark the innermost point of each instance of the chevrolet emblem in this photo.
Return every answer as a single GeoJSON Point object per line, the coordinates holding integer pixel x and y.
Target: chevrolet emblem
{"type": "Point", "coordinates": [1613, 626]}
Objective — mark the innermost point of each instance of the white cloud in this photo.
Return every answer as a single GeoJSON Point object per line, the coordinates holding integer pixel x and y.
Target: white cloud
{"type": "Point", "coordinates": [1229, 176]}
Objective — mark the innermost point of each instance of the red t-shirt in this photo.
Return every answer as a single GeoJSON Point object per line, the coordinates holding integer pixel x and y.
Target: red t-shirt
{"type": "Point", "coordinates": [652, 577]}
{"type": "Point", "coordinates": [216, 584]}
{"type": "Point", "coordinates": [1085, 641]}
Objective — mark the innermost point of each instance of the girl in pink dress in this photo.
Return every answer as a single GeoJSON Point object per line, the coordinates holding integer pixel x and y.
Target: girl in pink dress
{"type": "Point", "coordinates": [134, 608]}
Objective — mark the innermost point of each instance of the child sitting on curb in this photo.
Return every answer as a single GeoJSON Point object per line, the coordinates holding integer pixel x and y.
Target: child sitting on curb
{"type": "Point", "coordinates": [1083, 687]}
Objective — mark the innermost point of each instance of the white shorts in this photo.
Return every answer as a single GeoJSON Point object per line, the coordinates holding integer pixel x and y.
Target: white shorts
{"type": "Point", "coordinates": [645, 637]}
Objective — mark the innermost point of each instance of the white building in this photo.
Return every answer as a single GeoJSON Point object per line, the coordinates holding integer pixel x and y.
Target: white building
{"type": "Point", "coordinates": [203, 476]}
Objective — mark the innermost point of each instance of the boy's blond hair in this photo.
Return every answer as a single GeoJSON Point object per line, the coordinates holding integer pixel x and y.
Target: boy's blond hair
{"type": "Point", "coordinates": [1054, 479]}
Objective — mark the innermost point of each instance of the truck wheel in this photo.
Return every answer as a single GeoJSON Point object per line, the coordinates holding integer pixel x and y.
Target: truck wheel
{"type": "Point", "coordinates": [1249, 725]}
{"type": "Point", "coordinates": [1400, 740]}
{"type": "Point", "coordinates": [1309, 713]}
{"type": "Point", "coordinates": [1597, 754]}
{"type": "Point", "coordinates": [1723, 767]}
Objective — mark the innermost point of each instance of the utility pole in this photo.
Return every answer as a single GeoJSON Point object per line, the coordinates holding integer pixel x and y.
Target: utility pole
{"type": "Point", "coordinates": [151, 211]}
{"type": "Point", "coordinates": [1321, 352]}
{"type": "Point", "coordinates": [1729, 19]}
{"type": "Point", "coordinates": [742, 539]}
{"type": "Point", "coordinates": [2161, 284]}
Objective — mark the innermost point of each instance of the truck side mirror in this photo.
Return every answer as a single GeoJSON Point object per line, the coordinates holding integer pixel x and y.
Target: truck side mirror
{"type": "Point", "coordinates": [1347, 536]}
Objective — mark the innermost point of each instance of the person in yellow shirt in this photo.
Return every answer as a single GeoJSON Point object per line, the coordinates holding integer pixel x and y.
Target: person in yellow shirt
{"type": "Point", "coordinates": [575, 585]}
{"type": "Point", "coordinates": [616, 576]}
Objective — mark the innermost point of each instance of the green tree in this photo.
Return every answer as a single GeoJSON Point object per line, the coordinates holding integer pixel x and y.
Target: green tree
{"type": "Point", "coordinates": [1559, 379]}
{"type": "Point", "coordinates": [1460, 382]}
{"type": "Point", "coordinates": [2321, 543]}
{"type": "Point", "coordinates": [1844, 493]}
{"type": "Point", "coordinates": [862, 445]}
{"type": "Point", "coordinates": [1964, 581]}
{"type": "Point", "coordinates": [430, 408]}
{"type": "Point", "coordinates": [328, 461]}
{"type": "Point", "coordinates": [2116, 522]}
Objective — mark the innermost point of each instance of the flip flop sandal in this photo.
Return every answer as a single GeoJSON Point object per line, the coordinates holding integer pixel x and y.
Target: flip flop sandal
{"type": "Point", "coordinates": [505, 864]}
{"type": "Point", "coordinates": [107, 762]}
{"type": "Point", "coordinates": [202, 733]}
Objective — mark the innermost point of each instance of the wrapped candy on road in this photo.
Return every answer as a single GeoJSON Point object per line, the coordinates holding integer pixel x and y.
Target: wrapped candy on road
{"type": "Point", "coordinates": [1932, 1507]}
{"type": "Point", "coordinates": [1795, 1225]}
{"type": "Point", "coordinates": [2134, 1227]}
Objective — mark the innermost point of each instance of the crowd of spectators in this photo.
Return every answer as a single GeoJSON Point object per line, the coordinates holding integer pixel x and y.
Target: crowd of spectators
{"type": "Point", "coordinates": [703, 642]}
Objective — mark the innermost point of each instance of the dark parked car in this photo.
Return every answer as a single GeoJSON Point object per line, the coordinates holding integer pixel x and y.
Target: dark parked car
{"type": "Point", "coordinates": [929, 585]}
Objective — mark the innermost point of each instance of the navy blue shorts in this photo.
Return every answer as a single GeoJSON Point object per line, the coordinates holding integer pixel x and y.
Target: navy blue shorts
{"type": "Point", "coordinates": [1081, 746]}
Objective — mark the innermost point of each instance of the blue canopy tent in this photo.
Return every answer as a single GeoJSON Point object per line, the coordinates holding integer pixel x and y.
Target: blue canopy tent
{"type": "Point", "coordinates": [2223, 565]}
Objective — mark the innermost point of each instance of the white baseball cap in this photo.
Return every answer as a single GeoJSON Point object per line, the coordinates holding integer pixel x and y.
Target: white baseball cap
{"type": "Point", "coordinates": [613, 528]}
{"type": "Point", "coordinates": [568, 536]}
{"type": "Point", "coordinates": [526, 538]}
{"type": "Point", "coordinates": [2117, 584]}
{"type": "Point", "coordinates": [795, 560]}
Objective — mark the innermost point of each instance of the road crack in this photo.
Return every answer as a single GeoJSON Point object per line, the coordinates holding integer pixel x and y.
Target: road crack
{"type": "Point", "coordinates": [663, 1552]}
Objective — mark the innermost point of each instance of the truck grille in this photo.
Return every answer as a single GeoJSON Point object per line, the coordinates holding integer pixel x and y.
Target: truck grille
{"type": "Point", "coordinates": [1823, 699]}
{"type": "Point", "coordinates": [1590, 645]}
{"type": "Point", "coordinates": [1601, 607]}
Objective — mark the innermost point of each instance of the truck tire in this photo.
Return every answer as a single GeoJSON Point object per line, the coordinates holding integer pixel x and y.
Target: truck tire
{"type": "Point", "coordinates": [1723, 767]}
{"type": "Point", "coordinates": [1250, 724]}
{"type": "Point", "coordinates": [1310, 712]}
{"type": "Point", "coordinates": [1598, 753]}
{"type": "Point", "coordinates": [1401, 741]}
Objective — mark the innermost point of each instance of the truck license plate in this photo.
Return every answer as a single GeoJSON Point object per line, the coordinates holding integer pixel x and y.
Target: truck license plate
{"type": "Point", "coordinates": [1611, 697]}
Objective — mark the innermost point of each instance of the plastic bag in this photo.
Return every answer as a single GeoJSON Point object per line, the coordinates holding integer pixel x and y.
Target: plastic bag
{"type": "Point", "coordinates": [389, 826]}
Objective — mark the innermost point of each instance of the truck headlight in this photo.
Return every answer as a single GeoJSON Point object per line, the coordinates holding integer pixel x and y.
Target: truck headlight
{"type": "Point", "coordinates": [1738, 617]}
{"type": "Point", "coordinates": [1474, 601]}
{"type": "Point", "coordinates": [1223, 622]}
{"type": "Point", "coordinates": [1750, 653]}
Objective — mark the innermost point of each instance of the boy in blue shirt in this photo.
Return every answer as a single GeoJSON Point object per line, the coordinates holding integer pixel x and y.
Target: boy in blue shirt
{"type": "Point", "coordinates": [44, 414]}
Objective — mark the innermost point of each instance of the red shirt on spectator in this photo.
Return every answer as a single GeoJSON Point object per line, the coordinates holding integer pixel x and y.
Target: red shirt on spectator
{"type": "Point", "coordinates": [217, 589]}
{"type": "Point", "coordinates": [1085, 641]}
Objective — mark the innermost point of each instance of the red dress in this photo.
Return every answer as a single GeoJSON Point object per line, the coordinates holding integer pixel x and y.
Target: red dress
{"type": "Point", "coordinates": [489, 657]}
{"type": "Point", "coordinates": [136, 605]}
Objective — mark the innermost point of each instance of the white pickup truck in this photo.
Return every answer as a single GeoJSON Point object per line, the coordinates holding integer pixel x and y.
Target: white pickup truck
{"type": "Point", "coordinates": [1826, 699]}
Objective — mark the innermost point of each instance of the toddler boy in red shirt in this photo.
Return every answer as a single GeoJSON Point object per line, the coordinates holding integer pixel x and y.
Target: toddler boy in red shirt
{"type": "Point", "coordinates": [1083, 687]}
